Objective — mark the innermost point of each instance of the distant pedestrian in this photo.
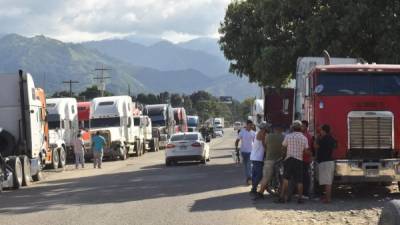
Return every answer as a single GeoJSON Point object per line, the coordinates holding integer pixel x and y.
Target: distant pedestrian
{"type": "Point", "coordinates": [79, 150]}
{"type": "Point", "coordinates": [307, 159]}
{"type": "Point", "coordinates": [325, 145]}
{"type": "Point", "coordinates": [246, 138]}
{"type": "Point", "coordinates": [296, 144]}
{"type": "Point", "coordinates": [273, 153]}
{"type": "Point", "coordinates": [98, 144]}
{"type": "Point", "coordinates": [257, 156]}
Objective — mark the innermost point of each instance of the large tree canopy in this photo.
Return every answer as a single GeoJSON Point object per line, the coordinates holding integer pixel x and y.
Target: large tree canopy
{"type": "Point", "coordinates": [264, 38]}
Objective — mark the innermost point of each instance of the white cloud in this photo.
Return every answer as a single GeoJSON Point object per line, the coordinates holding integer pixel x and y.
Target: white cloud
{"type": "Point", "coordinates": [79, 20]}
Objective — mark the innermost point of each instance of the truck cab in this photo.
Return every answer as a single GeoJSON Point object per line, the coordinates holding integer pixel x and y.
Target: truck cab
{"type": "Point", "coordinates": [361, 104]}
{"type": "Point", "coordinates": [63, 125]}
{"type": "Point", "coordinates": [193, 123]}
{"type": "Point", "coordinates": [112, 117]}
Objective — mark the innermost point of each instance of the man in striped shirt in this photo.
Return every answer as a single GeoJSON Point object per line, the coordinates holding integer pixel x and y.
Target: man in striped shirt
{"type": "Point", "coordinates": [296, 144]}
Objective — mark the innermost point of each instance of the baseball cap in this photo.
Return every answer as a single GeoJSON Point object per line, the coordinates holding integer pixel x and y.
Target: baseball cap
{"type": "Point", "coordinates": [297, 124]}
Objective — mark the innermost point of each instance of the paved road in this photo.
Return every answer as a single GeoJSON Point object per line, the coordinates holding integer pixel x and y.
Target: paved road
{"type": "Point", "coordinates": [138, 191]}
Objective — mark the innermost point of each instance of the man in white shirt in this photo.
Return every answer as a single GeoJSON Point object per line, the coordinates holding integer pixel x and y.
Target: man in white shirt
{"type": "Point", "coordinates": [257, 156]}
{"type": "Point", "coordinates": [246, 138]}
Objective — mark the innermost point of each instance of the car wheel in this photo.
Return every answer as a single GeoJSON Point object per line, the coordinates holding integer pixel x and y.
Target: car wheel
{"type": "Point", "coordinates": [168, 162]}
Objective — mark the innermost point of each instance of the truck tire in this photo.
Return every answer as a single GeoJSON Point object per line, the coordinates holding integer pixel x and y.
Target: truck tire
{"type": "Point", "coordinates": [16, 167]}
{"type": "Point", "coordinates": [55, 159]}
{"type": "Point", "coordinates": [8, 145]}
{"type": "Point", "coordinates": [26, 170]}
{"type": "Point", "coordinates": [62, 155]}
{"type": "Point", "coordinates": [390, 213]}
{"type": "Point", "coordinates": [123, 153]}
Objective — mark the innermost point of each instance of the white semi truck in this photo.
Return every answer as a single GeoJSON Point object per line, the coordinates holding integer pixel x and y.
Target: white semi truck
{"type": "Point", "coordinates": [112, 117]}
{"type": "Point", "coordinates": [63, 126]}
{"type": "Point", "coordinates": [24, 146]}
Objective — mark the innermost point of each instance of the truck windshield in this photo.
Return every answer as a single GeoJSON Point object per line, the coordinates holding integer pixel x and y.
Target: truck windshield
{"type": "Point", "coordinates": [105, 122]}
{"type": "Point", "coordinates": [192, 122]}
{"type": "Point", "coordinates": [158, 120]}
{"type": "Point", "coordinates": [54, 125]}
{"type": "Point", "coordinates": [358, 84]}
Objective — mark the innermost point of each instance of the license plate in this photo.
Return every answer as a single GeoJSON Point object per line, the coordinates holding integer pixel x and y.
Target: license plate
{"type": "Point", "coordinates": [371, 173]}
{"type": "Point", "coordinates": [183, 147]}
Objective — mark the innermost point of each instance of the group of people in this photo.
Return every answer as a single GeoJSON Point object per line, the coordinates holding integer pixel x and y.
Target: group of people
{"type": "Point", "coordinates": [262, 149]}
{"type": "Point", "coordinates": [98, 143]}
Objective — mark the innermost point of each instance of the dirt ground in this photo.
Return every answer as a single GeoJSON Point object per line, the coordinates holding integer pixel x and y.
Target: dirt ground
{"type": "Point", "coordinates": [351, 205]}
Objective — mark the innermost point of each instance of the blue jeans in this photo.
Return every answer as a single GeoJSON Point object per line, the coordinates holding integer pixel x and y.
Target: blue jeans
{"type": "Point", "coordinates": [257, 174]}
{"type": "Point", "coordinates": [247, 164]}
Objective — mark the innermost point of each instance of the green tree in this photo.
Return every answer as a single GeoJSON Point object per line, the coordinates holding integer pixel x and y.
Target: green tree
{"type": "Point", "coordinates": [264, 38]}
{"type": "Point", "coordinates": [92, 92]}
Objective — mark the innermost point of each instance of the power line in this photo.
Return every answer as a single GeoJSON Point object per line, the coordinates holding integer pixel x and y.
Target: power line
{"type": "Point", "coordinates": [70, 82]}
{"type": "Point", "coordinates": [102, 79]}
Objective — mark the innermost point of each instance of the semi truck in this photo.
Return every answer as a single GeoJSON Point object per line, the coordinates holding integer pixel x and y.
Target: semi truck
{"type": "Point", "coordinates": [361, 104]}
{"type": "Point", "coordinates": [112, 117]}
{"type": "Point", "coordinates": [180, 120]}
{"type": "Point", "coordinates": [278, 106]}
{"type": "Point", "coordinates": [193, 123]}
{"type": "Point", "coordinates": [63, 126]}
{"type": "Point", "coordinates": [24, 147]}
{"type": "Point", "coordinates": [83, 119]}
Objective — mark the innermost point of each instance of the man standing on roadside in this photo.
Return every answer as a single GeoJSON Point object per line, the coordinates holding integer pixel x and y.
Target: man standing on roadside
{"type": "Point", "coordinates": [296, 144]}
{"type": "Point", "coordinates": [79, 151]}
{"type": "Point", "coordinates": [325, 145]}
{"type": "Point", "coordinates": [307, 159]}
{"type": "Point", "coordinates": [246, 137]}
{"type": "Point", "coordinates": [98, 143]}
{"type": "Point", "coordinates": [273, 153]}
{"type": "Point", "coordinates": [257, 156]}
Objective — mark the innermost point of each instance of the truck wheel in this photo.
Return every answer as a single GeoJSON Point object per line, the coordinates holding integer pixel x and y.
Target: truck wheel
{"type": "Point", "coordinates": [16, 167]}
{"type": "Point", "coordinates": [390, 213]}
{"type": "Point", "coordinates": [62, 157]}
{"type": "Point", "coordinates": [26, 170]}
{"type": "Point", "coordinates": [55, 159]}
{"type": "Point", "coordinates": [123, 153]}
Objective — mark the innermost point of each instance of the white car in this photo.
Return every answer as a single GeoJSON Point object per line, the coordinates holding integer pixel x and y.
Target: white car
{"type": "Point", "coordinates": [188, 146]}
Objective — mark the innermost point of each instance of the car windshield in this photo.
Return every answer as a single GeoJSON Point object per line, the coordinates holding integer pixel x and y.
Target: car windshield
{"type": "Point", "coordinates": [105, 122]}
{"type": "Point", "coordinates": [185, 137]}
{"type": "Point", "coordinates": [358, 84]}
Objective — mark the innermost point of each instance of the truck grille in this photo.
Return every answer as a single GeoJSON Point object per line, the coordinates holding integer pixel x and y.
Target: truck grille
{"type": "Point", "coordinates": [371, 132]}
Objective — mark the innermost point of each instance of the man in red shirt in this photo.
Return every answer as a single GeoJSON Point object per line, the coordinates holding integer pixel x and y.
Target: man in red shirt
{"type": "Point", "coordinates": [307, 159]}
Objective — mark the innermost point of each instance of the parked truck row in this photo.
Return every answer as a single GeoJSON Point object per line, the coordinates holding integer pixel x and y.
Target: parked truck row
{"type": "Point", "coordinates": [38, 133]}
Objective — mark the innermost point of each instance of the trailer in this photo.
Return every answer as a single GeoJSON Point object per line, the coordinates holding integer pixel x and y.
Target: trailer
{"type": "Point", "coordinates": [278, 106]}
{"type": "Point", "coordinates": [180, 120]}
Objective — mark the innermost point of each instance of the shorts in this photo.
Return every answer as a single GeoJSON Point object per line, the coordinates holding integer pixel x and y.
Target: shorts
{"type": "Point", "coordinates": [268, 170]}
{"type": "Point", "coordinates": [293, 170]}
{"type": "Point", "coordinates": [326, 172]}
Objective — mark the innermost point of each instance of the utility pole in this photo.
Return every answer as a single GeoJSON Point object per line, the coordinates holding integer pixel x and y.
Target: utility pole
{"type": "Point", "coordinates": [129, 90]}
{"type": "Point", "coordinates": [102, 79]}
{"type": "Point", "coordinates": [70, 82]}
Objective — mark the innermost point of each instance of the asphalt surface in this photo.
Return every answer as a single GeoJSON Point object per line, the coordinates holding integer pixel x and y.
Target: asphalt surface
{"type": "Point", "coordinates": [138, 191]}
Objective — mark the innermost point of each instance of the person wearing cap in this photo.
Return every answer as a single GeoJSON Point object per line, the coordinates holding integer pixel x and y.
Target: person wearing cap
{"type": "Point", "coordinates": [296, 144]}
{"type": "Point", "coordinates": [257, 156]}
{"type": "Point", "coordinates": [246, 138]}
{"type": "Point", "coordinates": [273, 152]}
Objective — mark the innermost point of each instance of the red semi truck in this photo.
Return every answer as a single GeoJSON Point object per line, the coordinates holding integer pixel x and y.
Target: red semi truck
{"type": "Point", "coordinates": [361, 103]}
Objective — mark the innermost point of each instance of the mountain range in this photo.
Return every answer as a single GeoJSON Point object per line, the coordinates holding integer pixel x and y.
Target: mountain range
{"type": "Point", "coordinates": [163, 66]}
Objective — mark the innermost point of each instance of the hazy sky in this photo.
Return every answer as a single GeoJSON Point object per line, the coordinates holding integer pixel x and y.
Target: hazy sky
{"type": "Point", "coordinates": [82, 20]}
